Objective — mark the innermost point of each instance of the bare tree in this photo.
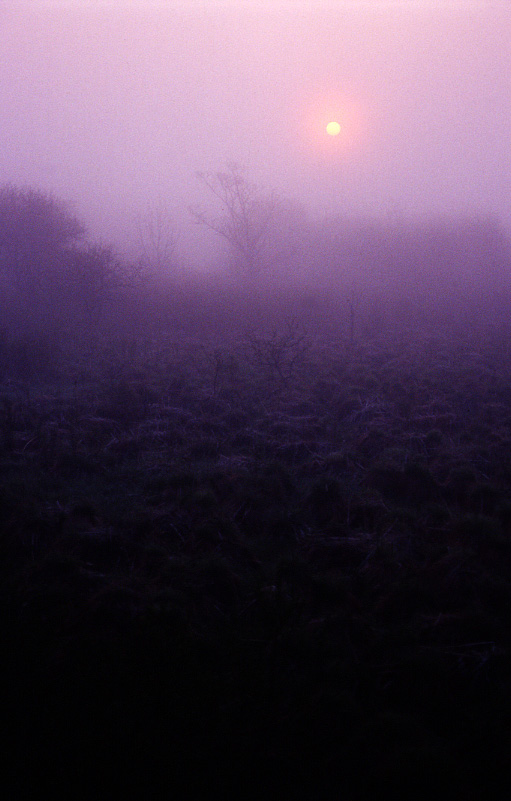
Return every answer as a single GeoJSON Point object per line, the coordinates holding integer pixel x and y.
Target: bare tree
{"type": "Point", "coordinates": [246, 217]}
{"type": "Point", "coordinates": [95, 274]}
{"type": "Point", "coordinates": [157, 237]}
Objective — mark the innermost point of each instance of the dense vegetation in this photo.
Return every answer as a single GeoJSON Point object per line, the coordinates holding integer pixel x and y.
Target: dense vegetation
{"type": "Point", "coordinates": [279, 560]}
{"type": "Point", "coordinates": [256, 533]}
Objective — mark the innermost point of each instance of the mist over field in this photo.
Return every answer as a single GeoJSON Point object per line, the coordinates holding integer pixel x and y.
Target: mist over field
{"type": "Point", "coordinates": [116, 105]}
{"type": "Point", "coordinates": [255, 398]}
{"type": "Point", "coordinates": [129, 112]}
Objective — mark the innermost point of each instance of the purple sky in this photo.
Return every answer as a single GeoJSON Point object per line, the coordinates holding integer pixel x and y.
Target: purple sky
{"type": "Point", "coordinates": [113, 104]}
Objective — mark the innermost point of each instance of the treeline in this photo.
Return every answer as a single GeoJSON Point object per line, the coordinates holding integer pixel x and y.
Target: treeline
{"type": "Point", "coordinates": [52, 275]}
{"type": "Point", "coordinates": [435, 254]}
{"type": "Point", "coordinates": [56, 280]}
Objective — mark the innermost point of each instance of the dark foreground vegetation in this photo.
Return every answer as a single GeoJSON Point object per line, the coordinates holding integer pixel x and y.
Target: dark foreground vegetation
{"type": "Point", "coordinates": [255, 534]}
{"type": "Point", "coordinates": [280, 562]}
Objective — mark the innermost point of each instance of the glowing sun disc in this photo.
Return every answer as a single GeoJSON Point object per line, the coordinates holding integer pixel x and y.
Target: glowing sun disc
{"type": "Point", "coordinates": [333, 129]}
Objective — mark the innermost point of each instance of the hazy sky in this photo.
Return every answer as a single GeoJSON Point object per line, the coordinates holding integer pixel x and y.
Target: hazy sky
{"type": "Point", "coordinates": [111, 104]}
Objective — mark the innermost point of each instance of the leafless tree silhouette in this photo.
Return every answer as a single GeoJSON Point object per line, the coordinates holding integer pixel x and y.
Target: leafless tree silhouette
{"type": "Point", "coordinates": [246, 218]}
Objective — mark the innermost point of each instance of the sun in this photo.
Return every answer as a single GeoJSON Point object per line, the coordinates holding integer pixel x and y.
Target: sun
{"type": "Point", "coordinates": [333, 124]}
{"type": "Point", "coordinates": [333, 129]}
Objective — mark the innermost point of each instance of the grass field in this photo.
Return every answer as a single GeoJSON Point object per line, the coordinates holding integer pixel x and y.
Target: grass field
{"type": "Point", "coordinates": [276, 564]}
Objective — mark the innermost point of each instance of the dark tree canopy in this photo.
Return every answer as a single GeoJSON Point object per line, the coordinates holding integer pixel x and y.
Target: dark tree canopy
{"type": "Point", "coordinates": [33, 222]}
{"type": "Point", "coordinates": [49, 271]}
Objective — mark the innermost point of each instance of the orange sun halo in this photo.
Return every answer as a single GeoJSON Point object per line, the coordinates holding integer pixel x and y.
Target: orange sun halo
{"type": "Point", "coordinates": [332, 124]}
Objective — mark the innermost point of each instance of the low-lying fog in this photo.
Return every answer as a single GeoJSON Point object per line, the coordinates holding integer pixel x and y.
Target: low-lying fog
{"type": "Point", "coordinates": [115, 106]}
